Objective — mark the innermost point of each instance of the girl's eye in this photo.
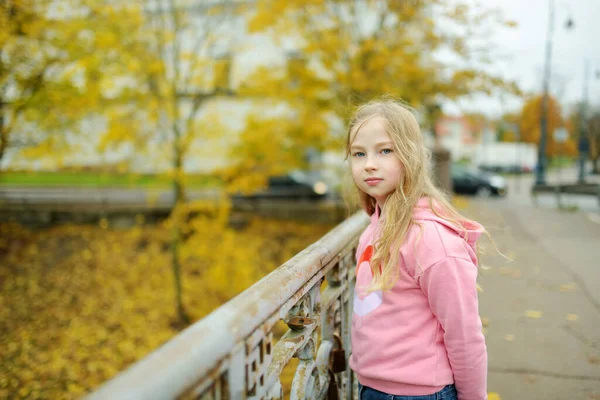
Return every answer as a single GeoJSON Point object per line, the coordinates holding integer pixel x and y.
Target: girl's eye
{"type": "Point", "coordinates": [359, 154]}
{"type": "Point", "coordinates": [386, 151]}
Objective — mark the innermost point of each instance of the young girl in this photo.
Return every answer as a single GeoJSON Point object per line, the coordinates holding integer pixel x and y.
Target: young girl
{"type": "Point", "coordinates": [416, 330]}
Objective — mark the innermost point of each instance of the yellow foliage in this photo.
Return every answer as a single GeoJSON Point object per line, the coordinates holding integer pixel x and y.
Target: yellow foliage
{"type": "Point", "coordinates": [530, 123]}
{"type": "Point", "coordinates": [337, 64]}
{"type": "Point", "coordinates": [93, 300]}
{"type": "Point", "coordinates": [272, 146]}
{"type": "Point", "coordinates": [51, 92]}
{"type": "Point", "coordinates": [105, 40]}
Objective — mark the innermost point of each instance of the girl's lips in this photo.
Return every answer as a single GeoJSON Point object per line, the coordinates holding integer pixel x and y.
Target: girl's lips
{"type": "Point", "coordinates": [373, 181]}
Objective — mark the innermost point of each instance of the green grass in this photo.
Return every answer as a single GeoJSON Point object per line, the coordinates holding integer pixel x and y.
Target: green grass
{"type": "Point", "coordinates": [98, 179]}
{"type": "Point", "coordinates": [561, 162]}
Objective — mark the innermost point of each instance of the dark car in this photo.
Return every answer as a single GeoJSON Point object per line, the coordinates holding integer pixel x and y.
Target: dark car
{"type": "Point", "coordinates": [472, 182]}
{"type": "Point", "coordinates": [294, 185]}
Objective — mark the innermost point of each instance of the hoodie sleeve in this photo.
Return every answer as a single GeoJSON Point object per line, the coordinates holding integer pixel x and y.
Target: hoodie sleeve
{"type": "Point", "coordinates": [451, 288]}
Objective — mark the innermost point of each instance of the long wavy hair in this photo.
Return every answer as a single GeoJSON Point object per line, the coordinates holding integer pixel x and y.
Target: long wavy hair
{"type": "Point", "coordinates": [415, 182]}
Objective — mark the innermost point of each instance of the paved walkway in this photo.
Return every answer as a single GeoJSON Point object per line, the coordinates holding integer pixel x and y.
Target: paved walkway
{"type": "Point", "coordinates": [541, 311]}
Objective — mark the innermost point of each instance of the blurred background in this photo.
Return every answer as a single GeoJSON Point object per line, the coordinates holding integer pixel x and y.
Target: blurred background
{"type": "Point", "coordinates": [158, 157]}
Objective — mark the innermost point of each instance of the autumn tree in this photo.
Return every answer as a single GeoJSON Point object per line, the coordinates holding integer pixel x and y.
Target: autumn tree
{"type": "Point", "coordinates": [530, 126]}
{"type": "Point", "coordinates": [573, 126]}
{"type": "Point", "coordinates": [478, 122]}
{"type": "Point", "coordinates": [186, 68]}
{"type": "Point", "coordinates": [57, 61]}
{"type": "Point", "coordinates": [144, 69]}
{"type": "Point", "coordinates": [340, 53]}
{"type": "Point", "coordinates": [507, 127]}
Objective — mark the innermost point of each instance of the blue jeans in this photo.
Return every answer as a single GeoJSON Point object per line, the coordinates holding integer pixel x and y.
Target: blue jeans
{"type": "Point", "coordinates": [367, 393]}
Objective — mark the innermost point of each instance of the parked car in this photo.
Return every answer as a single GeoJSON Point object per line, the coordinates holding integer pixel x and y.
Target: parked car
{"type": "Point", "coordinates": [294, 185]}
{"type": "Point", "coordinates": [473, 182]}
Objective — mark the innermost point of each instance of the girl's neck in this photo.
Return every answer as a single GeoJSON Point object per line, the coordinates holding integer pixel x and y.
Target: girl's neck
{"type": "Point", "coordinates": [381, 210]}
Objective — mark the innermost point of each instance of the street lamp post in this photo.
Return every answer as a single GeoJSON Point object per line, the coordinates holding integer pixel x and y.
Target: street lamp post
{"type": "Point", "coordinates": [541, 165]}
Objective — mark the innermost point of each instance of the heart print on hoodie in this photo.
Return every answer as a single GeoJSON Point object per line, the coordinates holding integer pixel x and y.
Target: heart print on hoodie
{"type": "Point", "coordinates": [364, 302]}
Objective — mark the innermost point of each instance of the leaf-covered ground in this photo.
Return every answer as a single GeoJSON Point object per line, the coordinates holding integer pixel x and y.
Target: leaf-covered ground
{"type": "Point", "coordinates": [80, 303]}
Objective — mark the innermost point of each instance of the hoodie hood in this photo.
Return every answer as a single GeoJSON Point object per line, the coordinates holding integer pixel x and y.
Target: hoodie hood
{"type": "Point", "coordinates": [471, 232]}
{"type": "Point", "coordinates": [422, 212]}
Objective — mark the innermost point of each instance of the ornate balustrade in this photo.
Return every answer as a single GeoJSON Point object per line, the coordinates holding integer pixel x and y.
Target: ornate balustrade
{"type": "Point", "coordinates": [231, 353]}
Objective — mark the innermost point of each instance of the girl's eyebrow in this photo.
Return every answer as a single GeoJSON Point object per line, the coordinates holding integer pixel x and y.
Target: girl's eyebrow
{"type": "Point", "coordinates": [378, 144]}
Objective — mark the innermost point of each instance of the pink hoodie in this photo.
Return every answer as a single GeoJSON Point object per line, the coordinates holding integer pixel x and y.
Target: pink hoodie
{"type": "Point", "coordinates": [426, 332]}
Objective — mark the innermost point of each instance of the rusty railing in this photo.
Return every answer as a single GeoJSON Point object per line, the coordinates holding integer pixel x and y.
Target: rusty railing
{"type": "Point", "coordinates": [231, 354]}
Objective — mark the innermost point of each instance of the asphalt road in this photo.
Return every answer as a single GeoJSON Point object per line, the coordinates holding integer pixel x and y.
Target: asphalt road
{"type": "Point", "coordinates": [541, 311]}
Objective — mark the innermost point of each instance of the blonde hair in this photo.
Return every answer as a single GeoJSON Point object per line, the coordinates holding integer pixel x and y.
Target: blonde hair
{"type": "Point", "coordinates": [415, 182]}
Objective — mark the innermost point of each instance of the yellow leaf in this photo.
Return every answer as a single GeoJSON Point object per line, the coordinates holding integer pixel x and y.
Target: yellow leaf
{"type": "Point", "coordinates": [572, 317]}
{"type": "Point", "coordinates": [103, 223]}
{"type": "Point", "coordinates": [568, 287]}
{"type": "Point", "coordinates": [533, 314]}
{"type": "Point", "coordinates": [494, 396]}
{"type": "Point", "coordinates": [509, 337]}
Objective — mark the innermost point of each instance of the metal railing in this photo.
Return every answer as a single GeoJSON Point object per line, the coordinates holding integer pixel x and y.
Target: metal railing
{"type": "Point", "coordinates": [231, 354]}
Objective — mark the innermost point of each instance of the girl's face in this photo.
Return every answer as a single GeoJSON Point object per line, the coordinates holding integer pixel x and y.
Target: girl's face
{"type": "Point", "coordinates": [376, 169]}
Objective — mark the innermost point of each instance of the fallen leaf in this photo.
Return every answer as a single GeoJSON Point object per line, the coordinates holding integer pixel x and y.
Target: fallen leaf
{"type": "Point", "coordinates": [568, 287]}
{"type": "Point", "coordinates": [509, 338]}
{"type": "Point", "coordinates": [460, 202]}
{"type": "Point", "coordinates": [594, 360]}
{"type": "Point", "coordinates": [494, 396]}
{"type": "Point", "coordinates": [572, 317]}
{"type": "Point", "coordinates": [530, 379]}
{"type": "Point", "coordinates": [485, 321]}
{"type": "Point", "coordinates": [533, 314]}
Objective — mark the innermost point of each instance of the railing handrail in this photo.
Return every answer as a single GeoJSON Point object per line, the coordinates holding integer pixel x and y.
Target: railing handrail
{"type": "Point", "coordinates": [197, 351]}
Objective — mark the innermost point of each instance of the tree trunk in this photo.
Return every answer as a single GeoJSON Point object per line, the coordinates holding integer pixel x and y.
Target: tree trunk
{"type": "Point", "coordinates": [183, 319]}
{"type": "Point", "coordinates": [3, 136]}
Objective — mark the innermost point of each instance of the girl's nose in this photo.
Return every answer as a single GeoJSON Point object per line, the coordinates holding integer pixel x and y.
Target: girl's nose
{"type": "Point", "coordinates": [371, 165]}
